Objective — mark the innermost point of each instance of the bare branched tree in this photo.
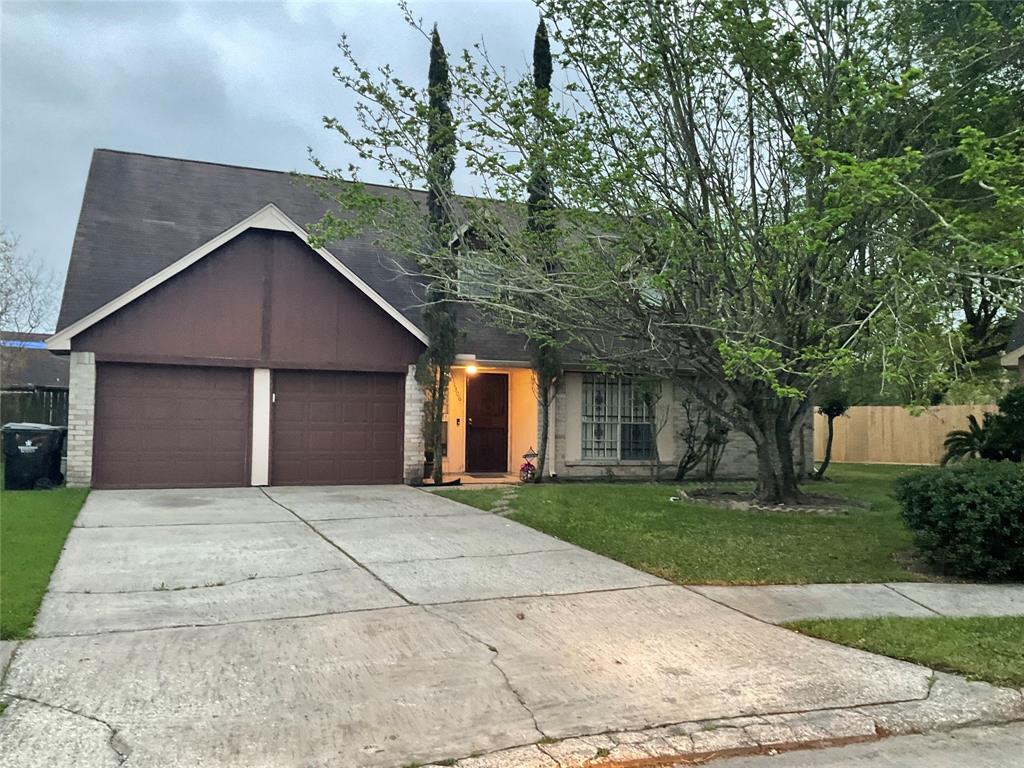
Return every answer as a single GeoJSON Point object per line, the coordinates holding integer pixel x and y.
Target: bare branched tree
{"type": "Point", "coordinates": [27, 299]}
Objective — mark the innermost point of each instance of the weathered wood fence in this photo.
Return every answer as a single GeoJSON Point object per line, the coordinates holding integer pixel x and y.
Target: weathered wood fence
{"type": "Point", "coordinates": [891, 434]}
{"type": "Point", "coordinates": [46, 406]}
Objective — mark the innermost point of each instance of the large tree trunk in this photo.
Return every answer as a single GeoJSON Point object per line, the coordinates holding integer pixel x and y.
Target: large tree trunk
{"type": "Point", "coordinates": [776, 472]}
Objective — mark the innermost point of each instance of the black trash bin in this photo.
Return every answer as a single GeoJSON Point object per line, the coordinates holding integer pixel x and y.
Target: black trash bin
{"type": "Point", "coordinates": [32, 456]}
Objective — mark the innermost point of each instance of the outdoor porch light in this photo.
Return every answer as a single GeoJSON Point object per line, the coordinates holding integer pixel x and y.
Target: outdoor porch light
{"type": "Point", "coordinates": [471, 369]}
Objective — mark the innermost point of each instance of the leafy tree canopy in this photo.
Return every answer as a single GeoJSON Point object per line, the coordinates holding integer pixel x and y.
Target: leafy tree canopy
{"type": "Point", "coordinates": [762, 192]}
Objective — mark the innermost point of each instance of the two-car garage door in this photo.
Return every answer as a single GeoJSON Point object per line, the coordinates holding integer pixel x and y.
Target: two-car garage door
{"type": "Point", "coordinates": [162, 426]}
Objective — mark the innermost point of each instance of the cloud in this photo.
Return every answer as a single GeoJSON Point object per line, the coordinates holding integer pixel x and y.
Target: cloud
{"type": "Point", "coordinates": [243, 83]}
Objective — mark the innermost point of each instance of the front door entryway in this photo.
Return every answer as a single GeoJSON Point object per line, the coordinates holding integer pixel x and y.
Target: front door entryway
{"type": "Point", "coordinates": [487, 422]}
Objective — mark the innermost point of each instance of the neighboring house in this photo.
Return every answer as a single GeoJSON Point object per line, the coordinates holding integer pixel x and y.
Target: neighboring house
{"type": "Point", "coordinates": [33, 381]}
{"type": "Point", "coordinates": [1013, 357]}
{"type": "Point", "coordinates": [211, 345]}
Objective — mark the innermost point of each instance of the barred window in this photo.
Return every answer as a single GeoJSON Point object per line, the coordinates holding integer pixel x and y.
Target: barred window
{"type": "Point", "coordinates": [616, 419]}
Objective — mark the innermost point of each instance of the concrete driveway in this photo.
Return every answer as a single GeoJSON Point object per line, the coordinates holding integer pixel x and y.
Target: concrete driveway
{"type": "Point", "coordinates": [378, 626]}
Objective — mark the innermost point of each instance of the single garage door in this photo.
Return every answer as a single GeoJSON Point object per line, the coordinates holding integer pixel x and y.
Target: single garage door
{"type": "Point", "coordinates": [337, 428]}
{"type": "Point", "coordinates": [167, 426]}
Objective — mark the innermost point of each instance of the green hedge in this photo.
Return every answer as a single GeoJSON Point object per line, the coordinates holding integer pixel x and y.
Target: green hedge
{"type": "Point", "coordinates": [968, 519]}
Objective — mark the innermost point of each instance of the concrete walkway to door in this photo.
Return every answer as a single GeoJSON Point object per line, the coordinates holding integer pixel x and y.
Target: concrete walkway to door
{"type": "Point", "coordinates": [384, 626]}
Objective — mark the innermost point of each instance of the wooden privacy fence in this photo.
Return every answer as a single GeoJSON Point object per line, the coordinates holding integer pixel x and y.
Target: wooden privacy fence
{"type": "Point", "coordinates": [45, 406]}
{"type": "Point", "coordinates": [891, 434]}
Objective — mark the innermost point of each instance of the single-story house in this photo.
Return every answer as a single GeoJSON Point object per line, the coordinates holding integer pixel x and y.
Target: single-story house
{"type": "Point", "coordinates": [211, 345]}
{"type": "Point", "coordinates": [33, 382]}
{"type": "Point", "coordinates": [1013, 357]}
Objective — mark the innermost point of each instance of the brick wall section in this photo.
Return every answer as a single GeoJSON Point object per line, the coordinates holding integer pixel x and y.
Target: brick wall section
{"type": "Point", "coordinates": [739, 462]}
{"type": "Point", "coordinates": [413, 450]}
{"type": "Point", "coordinates": [81, 418]}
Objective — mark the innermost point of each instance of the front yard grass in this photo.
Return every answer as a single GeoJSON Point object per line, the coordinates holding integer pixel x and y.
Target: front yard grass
{"type": "Point", "coordinates": [989, 649]}
{"type": "Point", "coordinates": [690, 543]}
{"type": "Point", "coordinates": [33, 527]}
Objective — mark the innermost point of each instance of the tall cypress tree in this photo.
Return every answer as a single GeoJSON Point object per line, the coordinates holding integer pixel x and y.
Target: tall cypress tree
{"type": "Point", "coordinates": [439, 313]}
{"type": "Point", "coordinates": [543, 350]}
{"type": "Point", "coordinates": [440, 134]}
{"type": "Point", "coordinates": [539, 188]}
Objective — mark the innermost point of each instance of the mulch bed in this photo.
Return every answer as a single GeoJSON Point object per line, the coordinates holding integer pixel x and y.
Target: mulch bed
{"type": "Point", "coordinates": [812, 503]}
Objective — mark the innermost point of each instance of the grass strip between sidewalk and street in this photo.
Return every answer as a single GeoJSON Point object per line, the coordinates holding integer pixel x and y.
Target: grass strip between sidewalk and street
{"type": "Point", "coordinates": [988, 648]}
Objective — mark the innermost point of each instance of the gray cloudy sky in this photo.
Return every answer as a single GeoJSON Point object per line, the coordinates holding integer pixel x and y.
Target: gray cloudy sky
{"type": "Point", "coordinates": [232, 82]}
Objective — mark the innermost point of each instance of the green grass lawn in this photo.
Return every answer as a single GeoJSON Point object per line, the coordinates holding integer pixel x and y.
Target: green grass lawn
{"type": "Point", "coordinates": [33, 526]}
{"type": "Point", "coordinates": [990, 649]}
{"type": "Point", "coordinates": [694, 544]}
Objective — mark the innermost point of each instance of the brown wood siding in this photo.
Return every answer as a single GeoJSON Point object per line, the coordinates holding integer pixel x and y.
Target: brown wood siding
{"type": "Point", "coordinates": [171, 426]}
{"type": "Point", "coordinates": [332, 428]}
{"type": "Point", "coordinates": [265, 299]}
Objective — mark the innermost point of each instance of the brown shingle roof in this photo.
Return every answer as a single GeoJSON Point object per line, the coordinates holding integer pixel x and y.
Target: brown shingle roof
{"type": "Point", "coordinates": [141, 213]}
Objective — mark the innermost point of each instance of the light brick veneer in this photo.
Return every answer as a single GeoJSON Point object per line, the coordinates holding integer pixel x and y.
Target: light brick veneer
{"type": "Point", "coordinates": [739, 460]}
{"type": "Point", "coordinates": [413, 449]}
{"type": "Point", "coordinates": [81, 418]}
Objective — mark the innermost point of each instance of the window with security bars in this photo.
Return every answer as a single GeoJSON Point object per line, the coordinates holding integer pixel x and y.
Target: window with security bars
{"type": "Point", "coordinates": [616, 419]}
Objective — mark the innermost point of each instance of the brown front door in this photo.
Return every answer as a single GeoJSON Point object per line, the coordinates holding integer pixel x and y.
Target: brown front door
{"type": "Point", "coordinates": [337, 428]}
{"type": "Point", "coordinates": [170, 426]}
{"type": "Point", "coordinates": [487, 422]}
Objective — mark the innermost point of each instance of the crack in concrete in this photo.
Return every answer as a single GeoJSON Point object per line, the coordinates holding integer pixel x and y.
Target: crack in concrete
{"type": "Point", "coordinates": [711, 725]}
{"type": "Point", "coordinates": [715, 725]}
{"type": "Point", "coordinates": [193, 625]}
{"type": "Point", "coordinates": [908, 597]}
{"type": "Point", "coordinates": [315, 530]}
{"type": "Point", "coordinates": [495, 653]}
{"type": "Point", "coordinates": [181, 525]}
{"type": "Point", "coordinates": [471, 557]}
{"type": "Point", "coordinates": [117, 744]}
{"type": "Point", "coordinates": [535, 595]}
{"type": "Point", "coordinates": [216, 585]}
{"type": "Point", "coordinates": [320, 614]}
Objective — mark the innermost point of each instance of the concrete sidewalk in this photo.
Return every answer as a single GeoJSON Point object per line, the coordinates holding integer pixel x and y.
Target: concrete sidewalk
{"type": "Point", "coordinates": [781, 603]}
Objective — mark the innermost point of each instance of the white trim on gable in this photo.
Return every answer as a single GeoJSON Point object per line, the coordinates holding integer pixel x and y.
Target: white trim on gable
{"type": "Point", "coordinates": [1012, 357]}
{"type": "Point", "coordinates": [268, 217]}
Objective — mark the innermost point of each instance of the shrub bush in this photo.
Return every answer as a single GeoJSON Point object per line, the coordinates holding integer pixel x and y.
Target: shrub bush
{"type": "Point", "coordinates": [968, 519]}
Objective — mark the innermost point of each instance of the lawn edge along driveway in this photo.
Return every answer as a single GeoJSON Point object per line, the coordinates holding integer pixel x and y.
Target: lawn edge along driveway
{"type": "Point", "coordinates": [33, 528]}
{"type": "Point", "coordinates": [988, 648]}
{"type": "Point", "coordinates": [689, 543]}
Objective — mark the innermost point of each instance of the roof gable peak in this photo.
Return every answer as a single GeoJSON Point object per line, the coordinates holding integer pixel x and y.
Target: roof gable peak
{"type": "Point", "coordinates": [268, 217]}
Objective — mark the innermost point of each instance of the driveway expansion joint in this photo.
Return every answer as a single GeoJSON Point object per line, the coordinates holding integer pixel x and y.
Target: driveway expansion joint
{"type": "Point", "coordinates": [315, 530]}
{"type": "Point", "coordinates": [233, 623]}
{"type": "Point", "coordinates": [117, 744]}
{"type": "Point", "coordinates": [692, 590]}
{"type": "Point", "coordinates": [916, 602]}
{"type": "Point", "coordinates": [537, 595]}
{"type": "Point", "coordinates": [189, 588]}
{"type": "Point", "coordinates": [485, 556]}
